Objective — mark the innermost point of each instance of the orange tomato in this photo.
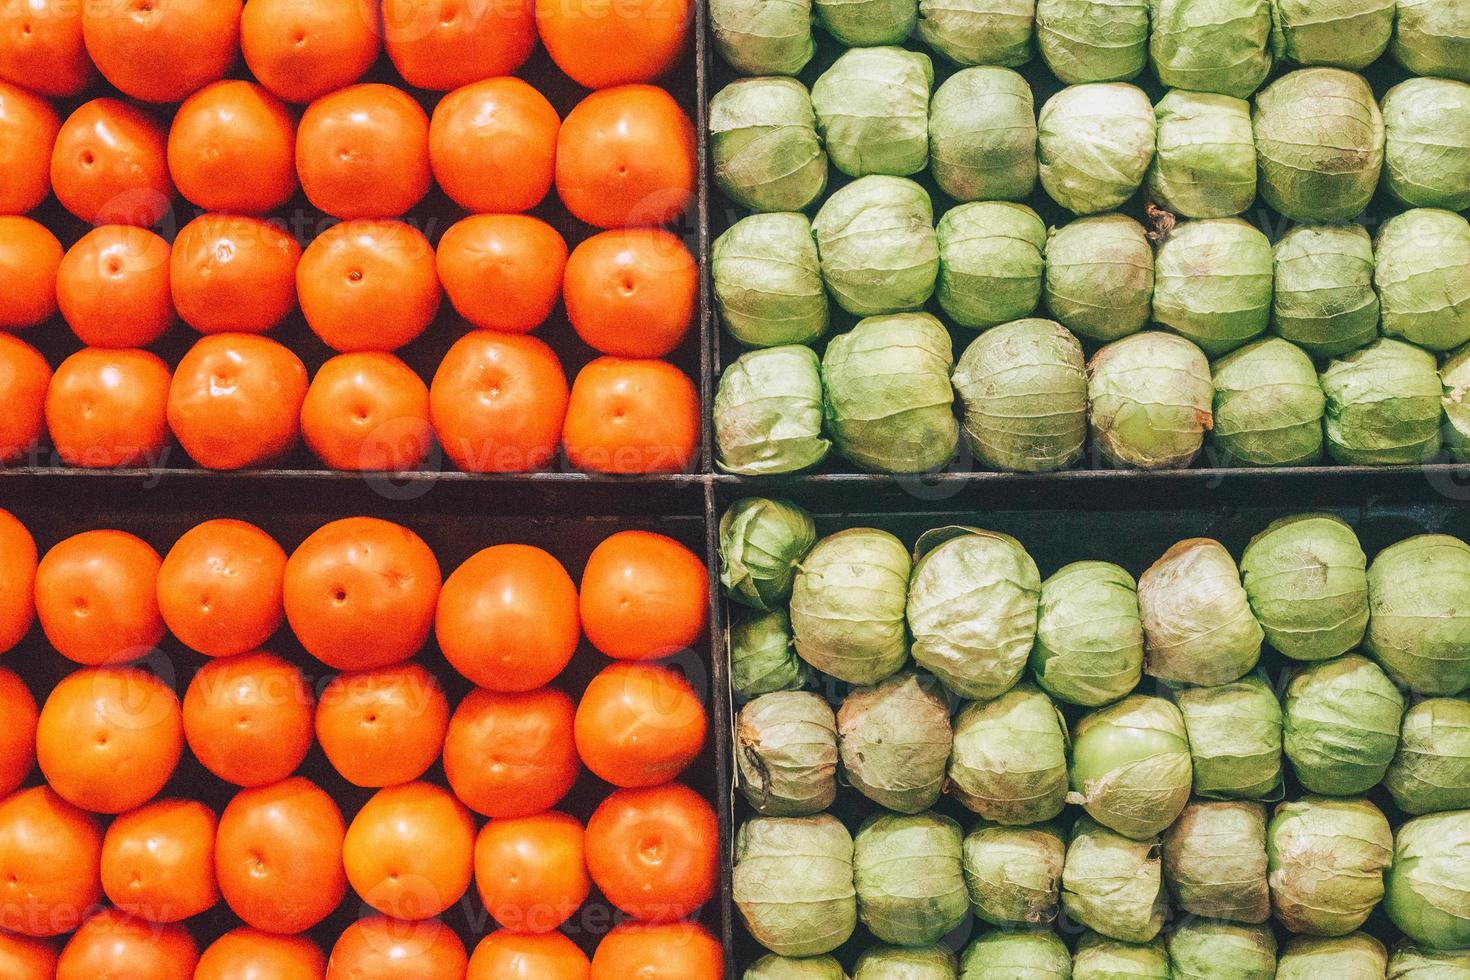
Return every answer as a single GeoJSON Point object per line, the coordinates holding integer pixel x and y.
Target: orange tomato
{"type": "Point", "coordinates": [17, 581]}
{"type": "Point", "coordinates": [117, 946]}
{"type": "Point", "coordinates": [632, 292]}
{"type": "Point", "coordinates": [162, 52]}
{"type": "Point", "coordinates": [507, 618]}
{"type": "Point", "coordinates": [249, 954]}
{"type": "Point", "coordinates": [504, 955]}
{"type": "Point", "coordinates": [625, 156]}
{"type": "Point", "coordinates": [28, 128]}
{"type": "Point", "coordinates": [113, 287]}
{"type": "Point", "coordinates": [382, 727]}
{"type": "Point", "coordinates": [232, 147]}
{"type": "Point", "coordinates": [368, 285]}
{"type": "Point", "coordinates": [236, 401]}
{"type": "Point", "coordinates": [531, 872]}
{"type": "Point", "coordinates": [679, 951]}
{"type": "Point", "coordinates": [233, 274]}
{"type": "Point", "coordinates": [109, 738]}
{"type": "Point", "coordinates": [50, 854]}
{"type": "Point", "coordinates": [511, 755]}
{"type": "Point", "coordinates": [29, 258]}
{"type": "Point", "coordinates": [655, 852]}
{"type": "Point", "coordinates": [248, 718]}
{"type": "Point", "coordinates": [303, 49]}
{"type": "Point", "coordinates": [24, 378]}
{"type": "Point", "coordinates": [107, 408]}
{"type": "Point", "coordinates": [644, 596]}
{"type": "Point", "coordinates": [219, 587]}
{"type": "Point", "coordinates": [384, 949]}
{"type": "Point", "coordinates": [95, 597]}
{"type": "Point", "coordinates": [18, 717]}
{"type": "Point", "coordinates": [41, 47]}
{"type": "Point", "coordinates": [502, 271]}
{"type": "Point", "coordinates": [158, 861]}
{"type": "Point", "coordinates": [639, 725]}
{"type": "Point", "coordinates": [632, 416]}
{"type": "Point", "coordinates": [492, 145]}
{"type": "Point", "coordinates": [278, 856]}
{"type": "Point", "coordinates": [363, 152]}
{"type": "Point", "coordinates": [409, 852]}
{"type": "Point", "coordinates": [110, 165]}
{"type": "Point", "coordinates": [26, 959]}
{"type": "Point", "coordinates": [614, 42]}
{"type": "Point", "coordinates": [443, 44]}
{"type": "Point", "coordinates": [367, 411]}
{"type": "Point", "coordinates": [497, 402]}
{"type": "Point", "coordinates": [360, 593]}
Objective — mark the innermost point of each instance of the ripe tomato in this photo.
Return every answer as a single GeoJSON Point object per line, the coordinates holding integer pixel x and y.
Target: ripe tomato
{"type": "Point", "coordinates": [109, 738]}
{"type": "Point", "coordinates": [113, 287]}
{"type": "Point", "coordinates": [644, 596]}
{"type": "Point", "coordinates": [409, 851]}
{"type": "Point", "coordinates": [110, 165]}
{"type": "Point", "coordinates": [511, 755]}
{"type": "Point", "coordinates": [233, 274]}
{"type": "Point", "coordinates": [278, 856]}
{"type": "Point", "coordinates": [162, 52]}
{"type": "Point", "coordinates": [24, 378]}
{"type": "Point", "coordinates": [531, 871]}
{"type": "Point", "coordinates": [502, 271]}
{"type": "Point", "coordinates": [303, 49]}
{"type": "Point", "coordinates": [367, 411]}
{"type": "Point", "coordinates": [497, 402]}
{"type": "Point", "coordinates": [360, 593]}
{"type": "Point", "coordinates": [368, 285]}
{"type": "Point", "coordinates": [18, 717]}
{"type": "Point", "coordinates": [236, 401]}
{"type": "Point", "coordinates": [117, 946]}
{"type": "Point", "coordinates": [504, 955]}
{"type": "Point", "coordinates": [382, 727]}
{"type": "Point", "coordinates": [232, 147]}
{"type": "Point", "coordinates": [383, 949]}
{"type": "Point", "coordinates": [248, 718]}
{"type": "Point", "coordinates": [639, 725]}
{"type": "Point", "coordinates": [632, 292]}
{"type": "Point", "coordinates": [625, 156]}
{"type": "Point", "coordinates": [602, 42]}
{"type": "Point", "coordinates": [41, 47]}
{"type": "Point", "coordinates": [28, 128]}
{"type": "Point", "coordinates": [158, 861]}
{"type": "Point", "coordinates": [507, 618]}
{"type": "Point", "coordinates": [443, 44]}
{"type": "Point", "coordinates": [632, 416]}
{"type": "Point", "coordinates": [29, 258]}
{"type": "Point", "coordinates": [26, 959]}
{"type": "Point", "coordinates": [17, 580]}
{"type": "Point", "coordinates": [492, 145]}
{"type": "Point", "coordinates": [50, 853]}
{"type": "Point", "coordinates": [95, 597]}
{"type": "Point", "coordinates": [363, 152]}
{"type": "Point", "coordinates": [655, 852]}
{"type": "Point", "coordinates": [219, 587]}
{"type": "Point", "coordinates": [679, 951]}
{"type": "Point", "coordinates": [108, 408]}
{"type": "Point", "coordinates": [249, 954]}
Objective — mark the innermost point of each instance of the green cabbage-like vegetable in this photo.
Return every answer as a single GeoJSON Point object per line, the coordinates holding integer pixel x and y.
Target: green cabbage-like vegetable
{"type": "Point", "coordinates": [1268, 405]}
{"type": "Point", "coordinates": [1419, 613]}
{"type": "Point", "coordinates": [1089, 637]}
{"type": "Point", "coordinates": [1423, 277]}
{"type": "Point", "coordinates": [1113, 884]}
{"type": "Point", "coordinates": [793, 883]}
{"type": "Point", "coordinates": [1100, 276]}
{"type": "Point", "coordinates": [773, 967]}
{"type": "Point", "coordinates": [786, 752]}
{"type": "Point", "coordinates": [890, 406]}
{"type": "Point", "coordinates": [1203, 950]}
{"type": "Point", "coordinates": [847, 605]}
{"type": "Point", "coordinates": [1093, 40]}
{"type": "Point", "coordinates": [1149, 397]}
{"type": "Point", "coordinates": [1354, 957]}
{"type": "Point", "coordinates": [877, 245]}
{"type": "Point", "coordinates": [1427, 154]}
{"type": "Point", "coordinates": [1205, 166]}
{"type": "Point", "coordinates": [906, 963]}
{"type": "Point", "coordinates": [910, 883]}
{"type": "Point", "coordinates": [1130, 766]}
{"type": "Point", "coordinates": [1341, 725]}
{"type": "Point", "coordinates": [1327, 858]}
{"type": "Point", "coordinates": [1410, 962]}
{"type": "Point", "coordinates": [764, 146]}
{"type": "Point", "coordinates": [1215, 861]}
{"type": "Point", "coordinates": [1319, 141]}
{"type": "Point", "coordinates": [895, 740]}
{"type": "Point", "coordinates": [1429, 885]}
{"type": "Point", "coordinates": [1343, 33]}
{"type": "Point", "coordinates": [1324, 300]}
{"type": "Point", "coordinates": [1433, 38]}
{"type": "Point", "coordinates": [1383, 404]}
{"type": "Point", "coordinates": [872, 110]}
{"type": "Point", "coordinates": [1307, 580]}
{"type": "Point", "coordinates": [1009, 762]}
{"type": "Point", "coordinates": [1023, 385]}
{"type": "Point", "coordinates": [761, 542]}
{"type": "Point", "coordinates": [1014, 873]}
{"type": "Point", "coordinates": [972, 608]}
{"type": "Point", "coordinates": [1101, 958]}
{"type": "Point", "coordinates": [763, 37]}
{"type": "Point", "coordinates": [982, 136]}
{"type": "Point", "coordinates": [762, 657]}
{"type": "Point", "coordinates": [1454, 374]}
{"type": "Point", "coordinates": [1095, 142]}
{"type": "Point", "coordinates": [978, 32]}
{"type": "Point", "coordinates": [1198, 627]}
{"type": "Point", "coordinates": [1026, 955]}
{"type": "Point", "coordinates": [866, 23]}
{"type": "Point", "coordinates": [1431, 771]}
{"type": "Point", "coordinates": [1234, 738]}
{"type": "Point", "coordinates": [768, 412]}
{"type": "Point", "coordinates": [1219, 47]}
{"type": "Point", "coordinates": [1212, 283]}
{"type": "Point", "coordinates": [990, 263]}
{"type": "Point", "coordinates": [768, 281]}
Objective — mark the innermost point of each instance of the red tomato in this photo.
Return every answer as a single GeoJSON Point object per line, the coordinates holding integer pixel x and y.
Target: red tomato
{"type": "Point", "coordinates": [117, 946]}
{"type": "Point", "coordinates": [632, 416]}
{"type": "Point", "coordinates": [387, 950]}
{"type": "Point", "coordinates": [50, 853]}
{"type": "Point", "coordinates": [29, 259]}
{"type": "Point", "coordinates": [681, 951]}
{"type": "Point", "coordinates": [249, 954]}
{"type": "Point", "coordinates": [504, 955]}
{"type": "Point", "coordinates": [363, 152]}
{"type": "Point", "coordinates": [497, 402]}
{"type": "Point", "coordinates": [502, 271]}
{"type": "Point", "coordinates": [219, 587]}
{"type": "Point", "coordinates": [158, 861]}
{"type": "Point", "coordinates": [382, 727]}
{"type": "Point", "coordinates": [232, 147]}
{"type": "Point", "coordinates": [41, 47]}
{"type": "Point", "coordinates": [368, 285]}
{"type": "Point", "coordinates": [18, 716]}
{"type": "Point", "coordinates": [95, 597]}
{"type": "Point", "coordinates": [443, 44]}
{"type": "Point", "coordinates": [632, 292]}
{"type": "Point", "coordinates": [614, 42]}
{"type": "Point", "coordinates": [236, 401]}
{"type": "Point", "coordinates": [531, 872]}
{"type": "Point", "coordinates": [409, 851]}
{"type": "Point", "coordinates": [492, 145]}
{"type": "Point", "coordinates": [367, 411]}
{"type": "Point", "coordinates": [17, 581]}
{"type": "Point", "coordinates": [108, 408]}
{"type": "Point", "coordinates": [110, 165]}
{"type": "Point", "coordinates": [644, 596]}
{"type": "Point", "coordinates": [24, 378]}
{"type": "Point", "coordinates": [26, 959]}
{"type": "Point", "coordinates": [233, 274]}
{"type": "Point", "coordinates": [303, 49]}
{"type": "Point", "coordinates": [28, 128]}
{"type": "Point", "coordinates": [162, 51]}
{"type": "Point", "coordinates": [113, 287]}
{"type": "Point", "coordinates": [511, 755]}
{"type": "Point", "coordinates": [639, 725]}
{"type": "Point", "coordinates": [655, 852]}
{"type": "Point", "coordinates": [248, 718]}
